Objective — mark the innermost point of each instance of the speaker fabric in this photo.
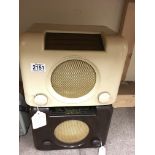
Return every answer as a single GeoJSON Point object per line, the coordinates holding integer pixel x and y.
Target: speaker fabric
{"type": "Point", "coordinates": [73, 78]}
{"type": "Point", "coordinates": [73, 127]}
{"type": "Point", "coordinates": [71, 131]}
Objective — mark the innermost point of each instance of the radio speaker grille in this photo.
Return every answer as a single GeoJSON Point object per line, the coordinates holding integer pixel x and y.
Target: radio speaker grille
{"type": "Point", "coordinates": [71, 131]}
{"type": "Point", "coordinates": [73, 78]}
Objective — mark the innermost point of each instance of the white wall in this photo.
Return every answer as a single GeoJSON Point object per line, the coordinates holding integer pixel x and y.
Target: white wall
{"type": "Point", "coordinates": [87, 12]}
{"type": "Point", "coordinates": [81, 12]}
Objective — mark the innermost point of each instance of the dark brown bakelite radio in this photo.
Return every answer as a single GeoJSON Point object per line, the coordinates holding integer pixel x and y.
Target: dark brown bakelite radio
{"type": "Point", "coordinates": [73, 127]}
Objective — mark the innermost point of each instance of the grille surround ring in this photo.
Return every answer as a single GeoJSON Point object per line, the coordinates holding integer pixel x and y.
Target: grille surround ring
{"type": "Point", "coordinates": [73, 78]}
{"type": "Point", "coordinates": [71, 131]}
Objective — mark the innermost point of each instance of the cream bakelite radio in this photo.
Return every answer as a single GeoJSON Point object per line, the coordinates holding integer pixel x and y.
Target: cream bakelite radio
{"type": "Point", "coordinates": [71, 65]}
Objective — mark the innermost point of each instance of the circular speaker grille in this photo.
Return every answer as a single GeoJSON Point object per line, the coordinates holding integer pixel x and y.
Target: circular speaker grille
{"type": "Point", "coordinates": [73, 78]}
{"type": "Point", "coordinates": [71, 131]}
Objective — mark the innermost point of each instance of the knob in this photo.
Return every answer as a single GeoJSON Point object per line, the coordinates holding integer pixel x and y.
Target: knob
{"type": "Point", "coordinates": [47, 142]}
{"type": "Point", "coordinates": [96, 142]}
{"type": "Point", "coordinates": [40, 99]}
{"type": "Point", "coordinates": [104, 97]}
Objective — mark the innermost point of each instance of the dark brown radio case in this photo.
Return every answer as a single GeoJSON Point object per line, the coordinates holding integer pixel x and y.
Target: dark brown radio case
{"type": "Point", "coordinates": [97, 118]}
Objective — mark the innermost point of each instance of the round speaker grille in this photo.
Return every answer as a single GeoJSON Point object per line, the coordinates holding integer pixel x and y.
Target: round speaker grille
{"type": "Point", "coordinates": [71, 131]}
{"type": "Point", "coordinates": [73, 78]}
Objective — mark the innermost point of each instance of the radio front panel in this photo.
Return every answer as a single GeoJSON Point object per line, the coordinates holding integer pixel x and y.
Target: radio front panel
{"type": "Point", "coordinates": [71, 68]}
{"type": "Point", "coordinates": [73, 127]}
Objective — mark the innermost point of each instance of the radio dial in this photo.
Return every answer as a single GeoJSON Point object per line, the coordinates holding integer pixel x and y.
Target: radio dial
{"type": "Point", "coordinates": [104, 97]}
{"type": "Point", "coordinates": [40, 99]}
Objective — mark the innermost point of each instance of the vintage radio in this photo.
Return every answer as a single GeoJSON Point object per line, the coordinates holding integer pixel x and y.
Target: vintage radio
{"type": "Point", "coordinates": [71, 65]}
{"type": "Point", "coordinates": [73, 127]}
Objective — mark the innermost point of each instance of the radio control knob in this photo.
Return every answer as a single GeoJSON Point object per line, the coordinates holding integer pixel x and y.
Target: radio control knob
{"type": "Point", "coordinates": [96, 142]}
{"type": "Point", "coordinates": [40, 99]}
{"type": "Point", "coordinates": [104, 97]}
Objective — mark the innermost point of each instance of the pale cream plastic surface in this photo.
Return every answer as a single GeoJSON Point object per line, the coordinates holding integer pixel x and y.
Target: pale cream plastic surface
{"type": "Point", "coordinates": [108, 65]}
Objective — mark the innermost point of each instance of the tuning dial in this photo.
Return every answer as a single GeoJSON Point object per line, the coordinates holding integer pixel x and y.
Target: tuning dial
{"type": "Point", "coordinates": [104, 97]}
{"type": "Point", "coordinates": [40, 99]}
